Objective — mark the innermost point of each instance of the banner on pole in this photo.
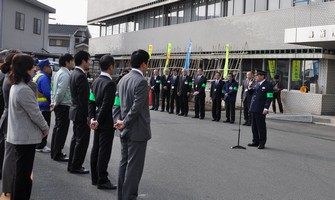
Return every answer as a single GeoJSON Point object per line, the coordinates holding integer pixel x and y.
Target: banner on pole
{"type": "Point", "coordinates": [296, 69]}
{"type": "Point", "coordinates": [225, 72]}
{"type": "Point", "coordinates": [272, 68]}
{"type": "Point", "coordinates": [168, 55]}
{"type": "Point", "coordinates": [188, 55]}
{"type": "Point", "coordinates": [150, 50]}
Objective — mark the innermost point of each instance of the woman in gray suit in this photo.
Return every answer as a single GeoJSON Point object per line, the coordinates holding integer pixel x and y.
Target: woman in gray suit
{"type": "Point", "coordinates": [26, 125]}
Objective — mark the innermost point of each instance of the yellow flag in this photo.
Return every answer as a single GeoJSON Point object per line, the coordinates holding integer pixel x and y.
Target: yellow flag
{"type": "Point", "coordinates": [150, 50]}
{"type": "Point", "coordinates": [225, 72]}
{"type": "Point", "coordinates": [296, 69]}
{"type": "Point", "coordinates": [272, 68]}
{"type": "Point", "coordinates": [168, 55]}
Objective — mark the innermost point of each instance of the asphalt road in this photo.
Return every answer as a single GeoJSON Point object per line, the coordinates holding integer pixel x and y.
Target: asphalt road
{"type": "Point", "coordinates": [192, 159]}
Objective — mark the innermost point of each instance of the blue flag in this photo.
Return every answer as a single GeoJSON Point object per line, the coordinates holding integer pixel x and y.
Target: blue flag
{"type": "Point", "coordinates": [188, 55]}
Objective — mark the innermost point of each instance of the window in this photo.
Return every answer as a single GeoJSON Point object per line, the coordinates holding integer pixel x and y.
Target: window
{"type": "Point", "coordinates": [181, 14]}
{"type": "Point", "coordinates": [149, 19]}
{"type": "Point", "coordinates": [300, 2]}
{"type": "Point", "coordinates": [218, 8]}
{"type": "Point", "coordinates": [285, 3]}
{"type": "Point", "coordinates": [19, 21]}
{"type": "Point", "coordinates": [273, 4]}
{"type": "Point", "coordinates": [188, 11]}
{"type": "Point", "coordinates": [194, 16]}
{"type": "Point", "coordinates": [37, 26]}
{"type": "Point", "coordinates": [172, 15]}
{"type": "Point", "coordinates": [230, 8]}
{"type": "Point", "coordinates": [116, 29]}
{"type": "Point", "coordinates": [261, 5]}
{"type": "Point", "coordinates": [239, 7]}
{"type": "Point", "coordinates": [249, 6]}
{"type": "Point", "coordinates": [282, 70]}
{"type": "Point", "coordinates": [140, 22]}
{"type": "Point", "coordinates": [77, 40]}
{"type": "Point", "coordinates": [202, 10]}
{"type": "Point", "coordinates": [109, 29]}
{"type": "Point", "coordinates": [304, 72]}
{"type": "Point", "coordinates": [130, 24]}
{"type": "Point", "coordinates": [211, 9]}
{"type": "Point", "coordinates": [59, 42]}
{"type": "Point", "coordinates": [158, 18]}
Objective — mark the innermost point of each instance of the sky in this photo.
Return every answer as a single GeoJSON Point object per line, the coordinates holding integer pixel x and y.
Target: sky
{"type": "Point", "coordinates": [72, 12]}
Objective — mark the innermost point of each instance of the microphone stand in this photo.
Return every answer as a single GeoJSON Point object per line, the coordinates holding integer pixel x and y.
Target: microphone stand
{"type": "Point", "coordinates": [238, 146]}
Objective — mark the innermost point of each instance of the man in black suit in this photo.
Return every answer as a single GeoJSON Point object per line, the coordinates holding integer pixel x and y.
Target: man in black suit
{"type": "Point", "coordinates": [260, 103]}
{"type": "Point", "coordinates": [155, 84]}
{"type": "Point", "coordinates": [184, 91]}
{"type": "Point", "coordinates": [247, 90]}
{"type": "Point", "coordinates": [134, 125]}
{"type": "Point", "coordinates": [80, 92]}
{"type": "Point", "coordinates": [166, 87]}
{"type": "Point", "coordinates": [277, 88]}
{"type": "Point", "coordinates": [216, 96]}
{"type": "Point", "coordinates": [199, 94]}
{"type": "Point", "coordinates": [101, 115]}
{"type": "Point", "coordinates": [174, 79]}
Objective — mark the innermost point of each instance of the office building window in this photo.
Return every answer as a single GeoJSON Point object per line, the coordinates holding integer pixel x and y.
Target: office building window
{"type": "Point", "coordinates": [102, 31]}
{"type": "Point", "coordinates": [140, 22]}
{"type": "Point", "coordinates": [195, 10]}
{"type": "Point", "coordinates": [158, 18]}
{"type": "Point", "coordinates": [300, 2]}
{"type": "Point", "coordinates": [230, 8]}
{"type": "Point", "coordinates": [19, 21]}
{"type": "Point", "coordinates": [211, 9]}
{"type": "Point", "coordinates": [181, 15]}
{"type": "Point", "coordinates": [130, 24]}
{"type": "Point", "coordinates": [37, 26]}
{"type": "Point", "coordinates": [285, 4]}
{"type": "Point", "coordinates": [273, 4]}
{"type": "Point", "coordinates": [59, 42]}
{"type": "Point", "coordinates": [282, 68]}
{"type": "Point", "coordinates": [188, 11]}
{"type": "Point", "coordinates": [239, 7]}
{"type": "Point", "coordinates": [115, 29]}
{"type": "Point", "coordinates": [261, 5]}
{"type": "Point", "coordinates": [109, 29]}
{"type": "Point", "coordinates": [172, 15]}
{"type": "Point", "coordinates": [202, 10]}
{"type": "Point", "coordinates": [249, 6]}
{"type": "Point", "coordinates": [123, 27]}
{"type": "Point", "coordinates": [218, 8]}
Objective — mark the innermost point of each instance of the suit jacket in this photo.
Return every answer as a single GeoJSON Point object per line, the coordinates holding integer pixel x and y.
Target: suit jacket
{"type": "Point", "coordinates": [200, 85]}
{"type": "Point", "coordinates": [277, 86]}
{"type": "Point", "coordinates": [101, 109]}
{"type": "Point", "coordinates": [174, 84]}
{"type": "Point", "coordinates": [184, 85]}
{"type": "Point", "coordinates": [166, 82]}
{"type": "Point", "coordinates": [80, 92]}
{"type": "Point", "coordinates": [246, 90]}
{"type": "Point", "coordinates": [262, 97]}
{"type": "Point", "coordinates": [216, 90]}
{"type": "Point", "coordinates": [156, 83]}
{"type": "Point", "coordinates": [230, 88]}
{"type": "Point", "coordinates": [134, 106]}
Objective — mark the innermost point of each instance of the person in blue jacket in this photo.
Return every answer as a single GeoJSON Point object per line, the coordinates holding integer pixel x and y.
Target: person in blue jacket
{"type": "Point", "coordinates": [230, 91]}
{"type": "Point", "coordinates": [42, 78]}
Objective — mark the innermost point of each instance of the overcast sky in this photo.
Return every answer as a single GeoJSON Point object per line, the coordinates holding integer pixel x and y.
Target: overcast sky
{"type": "Point", "coordinates": [69, 12]}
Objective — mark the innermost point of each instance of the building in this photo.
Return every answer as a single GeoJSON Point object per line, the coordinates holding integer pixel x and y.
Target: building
{"type": "Point", "coordinates": [24, 25]}
{"type": "Point", "coordinates": [292, 38]}
{"type": "Point", "coordinates": [68, 38]}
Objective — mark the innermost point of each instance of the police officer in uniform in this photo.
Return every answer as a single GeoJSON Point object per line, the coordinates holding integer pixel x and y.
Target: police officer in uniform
{"type": "Point", "coordinates": [199, 94]}
{"type": "Point", "coordinates": [260, 103]}
{"type": "Point", "coordinates": [230, 91]}
{"type": "Point", "coordinates": [216, 96]}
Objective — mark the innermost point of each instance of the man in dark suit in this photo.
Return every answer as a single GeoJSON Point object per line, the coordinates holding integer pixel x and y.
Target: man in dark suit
{"type": "Point", "coordinates": [184, 91]}
{"type": "Point", "coordinates": [166, 87]}
{"type": "Point", "coordinates": [230, 91]}
{"type": "Point", "coordinates": [134, 125]}
{"type": "Point", "coordinates": [216, 96]}
{"type": "Point", "coordinates": [174, 79]}
{"type": "Point", "coordinates": [247, 90]}
{"type": "Point", "coordinates": [277, 88]}
{"type": "Point", "coordinates": [260, 103]}
{"type": "Point", "coordinates": [155, 84]}
{"type": "Point", "coordinates": [80, 92]}
{"type": "Point", "coordinates": [101, 115]}
{"type": "Point", "coordinates": [199, 94]}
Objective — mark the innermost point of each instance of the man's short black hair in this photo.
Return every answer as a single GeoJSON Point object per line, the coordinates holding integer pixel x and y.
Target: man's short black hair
{"type": "Point", "coordinates": [80, 56]}
{"type": "Point", "coordinates": [218, 73]}
{"type": "Point", "coordinates": [231, 74]}
{"type": "Point", "coordinates": [106, 61]}
{"type": "Point", "coordinates": [276, 76]}
{"type": "Point", "coordinates": [65, 58]}
{"type": "Point", "coordinates": [138, 57]}
{"type": "Point", "coordinates": [174, 70]}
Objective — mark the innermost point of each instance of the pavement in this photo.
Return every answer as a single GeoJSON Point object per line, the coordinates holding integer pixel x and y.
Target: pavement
{"type": "Point", "coordinates": [192, 159]}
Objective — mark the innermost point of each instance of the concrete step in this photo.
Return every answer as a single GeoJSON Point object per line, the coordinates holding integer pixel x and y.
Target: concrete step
{"type": "Point", "coordinates": [291, 117]}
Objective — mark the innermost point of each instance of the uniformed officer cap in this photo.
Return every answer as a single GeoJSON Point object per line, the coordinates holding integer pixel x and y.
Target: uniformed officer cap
{"type": "Point", "coordinates": [260, 72]}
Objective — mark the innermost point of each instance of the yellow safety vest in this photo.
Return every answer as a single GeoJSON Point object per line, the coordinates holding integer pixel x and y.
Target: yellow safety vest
{"type": "Point", "coordinates": [40, 97]}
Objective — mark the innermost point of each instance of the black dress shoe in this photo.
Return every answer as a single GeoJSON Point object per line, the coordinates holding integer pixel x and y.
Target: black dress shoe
{"type": "Point", "coordinates": [162, 110]}
{"type": "Point", "coordinates": [261, 146]}
{"type": "Point", "coordinates": [107, 186]}
{"type": "Point", "coordinates": [227, 121]}
{"type": "Point", "coordinates": [217, 120]}
{"type": "Point", "coordinates": [195, 117]}
{"type": "Point", "coordinates": [61, 158]}
{"type": "Point", "coordinates": [156, 109]}
{"type": "Point", "coordinates": [253, 144]}
{"type": "Point", "coordinates": [232, 122]}
{"type": "Point", "coordinates": [245, 124]}
{"type": "Point", "coordinates": [181, 114]}
{"type": "Point", "coordinates": [185, 115]}
{"type": "Point", "coordinates": [170, 112]}
{"type": "Point", "coordinates": [248, 124]}
{"type": "Point", "coordinates": [213, 120]}
{"type": "Point", "coordinates": [80, 171]}
{"type": "Point", "coordinates": [202, 117]}
{"type": "Point", "coordinates": [152, 109]}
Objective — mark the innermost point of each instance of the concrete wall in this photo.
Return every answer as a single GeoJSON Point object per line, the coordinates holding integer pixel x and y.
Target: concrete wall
{"type": "Point", "coordinates": [24, 40]}
{"type": "Point", "coordinates": [261, 30]}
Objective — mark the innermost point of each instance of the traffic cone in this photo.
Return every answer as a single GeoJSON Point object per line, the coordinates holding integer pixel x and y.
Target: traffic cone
{"type": "Point", "coordinates": [150, 98]}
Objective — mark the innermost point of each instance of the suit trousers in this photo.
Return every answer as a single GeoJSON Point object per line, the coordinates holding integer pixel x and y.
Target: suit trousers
{"type": "Point", "coordinates": [60, 130]}
{"type": "Point", "coordinates": [131, 168]}
{"type": "Point", "coordinates": [174, 98]}
{"type": "Point", "coordinates": [230, 110]}
{"type": "Point", "coordinates": [165, 96]}
{"type": "Point", "coordinates": [246, 108]}
{"type": "Point", "coordinates": [216, 108]}
{"type": "Point", "coordinates": [2, 150]}
{"type": "Point", "coordinates": [199, 105]}
{"type": "Point", "coordinates": [258, 128]}
{"type": "Point", "coordinates": [79, 144]}
{"type": "Point", "coordinates": [8, 168]}
{"type": "Point", "coordinates": [155, 100]}
{"type": "Point", "coordinates": [184, 104]}
{"type": "Point", "coordinates": [276, 96]}
{"type": "Point", "coordinates": [22, 184]}
{"type": "Point", "coordinates": [47, 116]}
{"type": "Point", "coordinates": [100, 155]}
